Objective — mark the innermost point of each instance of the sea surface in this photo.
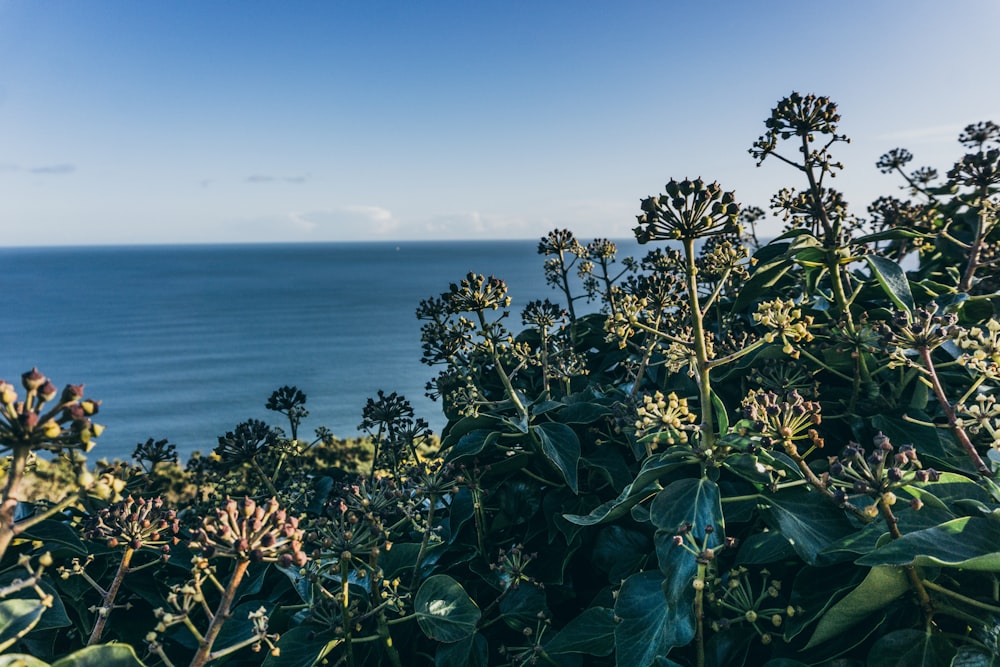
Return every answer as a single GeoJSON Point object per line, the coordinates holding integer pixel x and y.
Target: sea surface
{"type": "Point", "coordinates": [185, 342]}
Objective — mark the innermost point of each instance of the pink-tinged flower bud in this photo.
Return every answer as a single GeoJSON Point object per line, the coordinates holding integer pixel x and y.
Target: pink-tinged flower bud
{"type": "Point", "coordinates": [47, 391]}
{"type": "Point", "coordinates": [71, 393]}
{"type": "Point", "coordinates": [73, 412]}
{"type": "Point", "coordinates": [32, 380]}
{"type": "Point", "coordinates": [90, 407]}
{"type": "Point", "coordinates": [27, 420]}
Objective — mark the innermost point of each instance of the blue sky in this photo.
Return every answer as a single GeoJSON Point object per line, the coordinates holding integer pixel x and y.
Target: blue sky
{"type": "Point", "coordinates": [223, 121]}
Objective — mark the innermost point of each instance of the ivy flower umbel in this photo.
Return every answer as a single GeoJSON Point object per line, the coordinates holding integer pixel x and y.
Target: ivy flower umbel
{"type": "Point", "coordinates": [136, 523]}
{"type": "Point", "coordinates": [46, 418]}
{"type": "Point", "coordinates": [981, 417]}
{"type": "Point", "coordinates": [246, 530]}
{"type": "Point", "coordinates": [876, 475]}
{"type": "Point", "coordinates": [784, 422]}
{"type": "Point", "coordinates": [664, 419]}
{"type": "Point", "coordinates": [476, 293]}
{"type": "Point", "coordinates": [688, 210]}
{"type": "Point", "coordinates": [981, 347]}
{"type": "Point", "coordinates": [786, 320]}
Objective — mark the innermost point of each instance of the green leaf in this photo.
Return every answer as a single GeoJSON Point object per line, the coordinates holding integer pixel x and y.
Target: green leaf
{"type": "Point", "coordinates": [721, 414]}
{"type": "Point", "coordinates": [880, 587]}
{"type": "Point", "coordinates": [911, 648]}
{"type": "Point", "coordinates": [653, 620]}
{"type": "Point", "coordinates": [582, 413]}
{"type": "Point", "coordinates": [54, 532]}
{"type": "Point", "coordinates": [444, 610]}
{"type": "Point", "coordinates": [17, 618]}
{"type": "Point", "coordinates": [900, 431]}
{"type": "Point", "coordinates": [300, 647]}
{"type": "Point", "coordinates": [103, 655]}
{"type": "Point", "coordinates": [765, 547]}
{"type": "Point", "coordinates": [690, 501]}
{"type": "Point", "coordinates": [809, 521]}
{"type": "Point", "coordinates": [561, 447]}
{"type": "Point", "coordinates": [592, 633]}
{"type": "Point", "coordinates": [815, 590]}
{"type": "Point", "coordinates": [969, 543]}
{"type": "Point", "coordinates": [892, 234]}
{"type": "Point", "coordinates": [644, 486]}
{"type": "Point", "coordinates": [21, 660]}
{"type": "Point", "coordinates": [893, 281]}
{"type": "Point", "coordinates": [970, 656]}
{"type": "Point", "coordinates": [472, 443]}
{"type": "Point", "coordinates": [472, 651]}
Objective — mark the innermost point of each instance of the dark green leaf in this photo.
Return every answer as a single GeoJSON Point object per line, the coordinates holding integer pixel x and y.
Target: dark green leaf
{"type": "Point", "coordinates": [764, 547]}
{"type": "Point", "coordinates": [444, 610]}
{"type": "Point", "coordinates": [911, 648]}
{"type": "Point", "coordinates": [651, 624]}
{"type": "Point", "coordinates": [472, 443]}
{"type": "Point", "coordinates": [53, 532]}
{"type": "Point", "coordinates": [592, 633]}
{"type": "Point", "coordinates": [892, 279]}
{"type": "Point", "coordinates": [471, 651]}
{"type": "Point", "coordinates": [892, 234]}
{"type": "Point", "coordinates": [583, 413]}
{"type": "Point", "coordinates": [970, 656]}
{"type": "Point", "coordinates": [969, 543]}
{"type": "Point", "coordinates": [644, 486]}
{"type": "Point", "coordinates": [103, 655]}
{"type": "Point", "coordinates": [690, 501]}
{"type": "Point", "coordinates": [521, 606]}
{"type": "Point", "coordinates": [561, 447]}
{"type": "Point", "coordinates": [808, 520]}
{"type": "Point", "coordinates": [879, 588]}
{"type": "Point", "coordinates": [815, 590]}
{"type": "Point", "coordinates": [300, 647]}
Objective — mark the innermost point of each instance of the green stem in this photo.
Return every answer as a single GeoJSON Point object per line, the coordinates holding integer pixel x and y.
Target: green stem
{"type": "Point", "coordinates": [911, 572]}
{"type": "Point", "coordinates": [345, 612]}
{"type": "Point", "coordinates": [424, 543]}
{"type": "Point", "coordinates": [703, 369]}
{"type": "Point", "coordinates": [699, 614]}
{"type": "Point", "coordinates": [958, 596]}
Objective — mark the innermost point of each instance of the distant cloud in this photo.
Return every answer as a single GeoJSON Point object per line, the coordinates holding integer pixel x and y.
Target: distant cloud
{"type": "Point", "coordinates": [54, 169]}
{"type": "Point", "coordinates": [346, 223]}
{"type": "Point", "coordinates": [268, 178]}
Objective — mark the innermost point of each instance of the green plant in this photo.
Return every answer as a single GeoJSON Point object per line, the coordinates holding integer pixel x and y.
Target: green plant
{"type": "Point", "coordinates": [751, 453]}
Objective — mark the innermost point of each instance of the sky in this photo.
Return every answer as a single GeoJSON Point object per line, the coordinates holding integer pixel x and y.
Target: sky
{"type": "Point", "coordinates": [216, 121]}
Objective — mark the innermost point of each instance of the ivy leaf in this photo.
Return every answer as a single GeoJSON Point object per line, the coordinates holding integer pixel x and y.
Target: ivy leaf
{"type": "Point", "coordinates": [969, 543]}
{"type": "Point", "coordinates": [583, 413]}
{"type": "Point", "coordinates": [893, 281]}
{"type": "Point", "coordinates": [592, 633]}
{"type": "Point", "coordinates": [693, 501]}
{"type": "Point", "coordinates": [808, 520]}
{"type": "Point", "coordinates": [54, 533]}
{"type": "Point", "coordinates": [21, 660]}
{"type": "Point", "coordinates": [655, 617]}
{"type": "Point", "coordinates": [472, 651]}
{"type": "Point", "coordinates": [17, 618]}
{"type": "Point", "coordinates": [102, 655]}
{"type": "Point", "coordinates": [911, 648]}
{"type": "Point", "coordinates": [300, 647]}
{"type": "Point", "coordinates": [472, 443]}
{"type": "Point", "coordinates": [879, 588]}
{"type": "Point", "coordinates": [644, 485]}
{"type": "Point", "coordinates": [561, 447]}
{"type": "Point", "coordinates": [444, 610]}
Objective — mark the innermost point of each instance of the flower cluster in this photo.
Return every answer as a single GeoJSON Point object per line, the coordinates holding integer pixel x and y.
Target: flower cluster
{"type": "Point", "coordinates": [246, 530]}
{"type": "Point", "coordinates": [981, 347]}
{"type": "Point", "coordinates": [784, 319]}
{"type": "Point", "coordinates": [735, 599]}
{"type": "Point", "coordinates": [688, 210]}
{"type": "Point", "coordinates": [783, 422]}
{"type": "Point", "coordinates": [981, 417]}
{"type": "Point", "coordinates": [666, 419]}
{"type": "Point", "coordinates": [476, 293]}
{"type": "Point", "coordinates": [876, 475]}
{"type": "Point", "coordinates": [136, 523]}
{"type": "Point", "coordinates": [46, 418]}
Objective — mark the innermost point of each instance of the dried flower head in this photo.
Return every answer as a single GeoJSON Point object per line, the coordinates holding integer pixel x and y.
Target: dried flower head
{"type": "Point", "coordinates": [246, 530]}
{"type": "Point", "coordinates": [136, 524]}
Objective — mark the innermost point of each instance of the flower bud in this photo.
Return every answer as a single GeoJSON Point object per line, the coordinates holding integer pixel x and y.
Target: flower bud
{"type": "Point", "coordinates": [32, 380]}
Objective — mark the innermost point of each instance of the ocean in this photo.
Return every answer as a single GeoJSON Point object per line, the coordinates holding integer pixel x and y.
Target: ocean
{"type": "Point", "coordinates": [185, 342]}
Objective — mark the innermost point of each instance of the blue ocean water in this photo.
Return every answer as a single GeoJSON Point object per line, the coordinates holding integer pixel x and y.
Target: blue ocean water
{"type": "Point", "coordinates": [185, 342]}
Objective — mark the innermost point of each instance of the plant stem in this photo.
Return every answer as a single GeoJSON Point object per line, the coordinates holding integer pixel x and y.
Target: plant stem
{"type": "Point", "coordinates": [423, 543]}
{"type": "Point", "coordinates": [345, 612]}
{"type": "Point", "coordinates": [949, 413]}
{"type": "Point", "coordinates": [9, 499]}
{"type": "Point", "coordinates": [700, 348]}
{"type": "Point", "coordinates": [961, 598]}
{"type": "Point", "coordinates": [221, 615]}
{"type": "Point", "coordinates": [699, 614]}
{"type": "Point", "coordinates": [911, 572]}
{"type": "Point", "coordinates": [108, 601]}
